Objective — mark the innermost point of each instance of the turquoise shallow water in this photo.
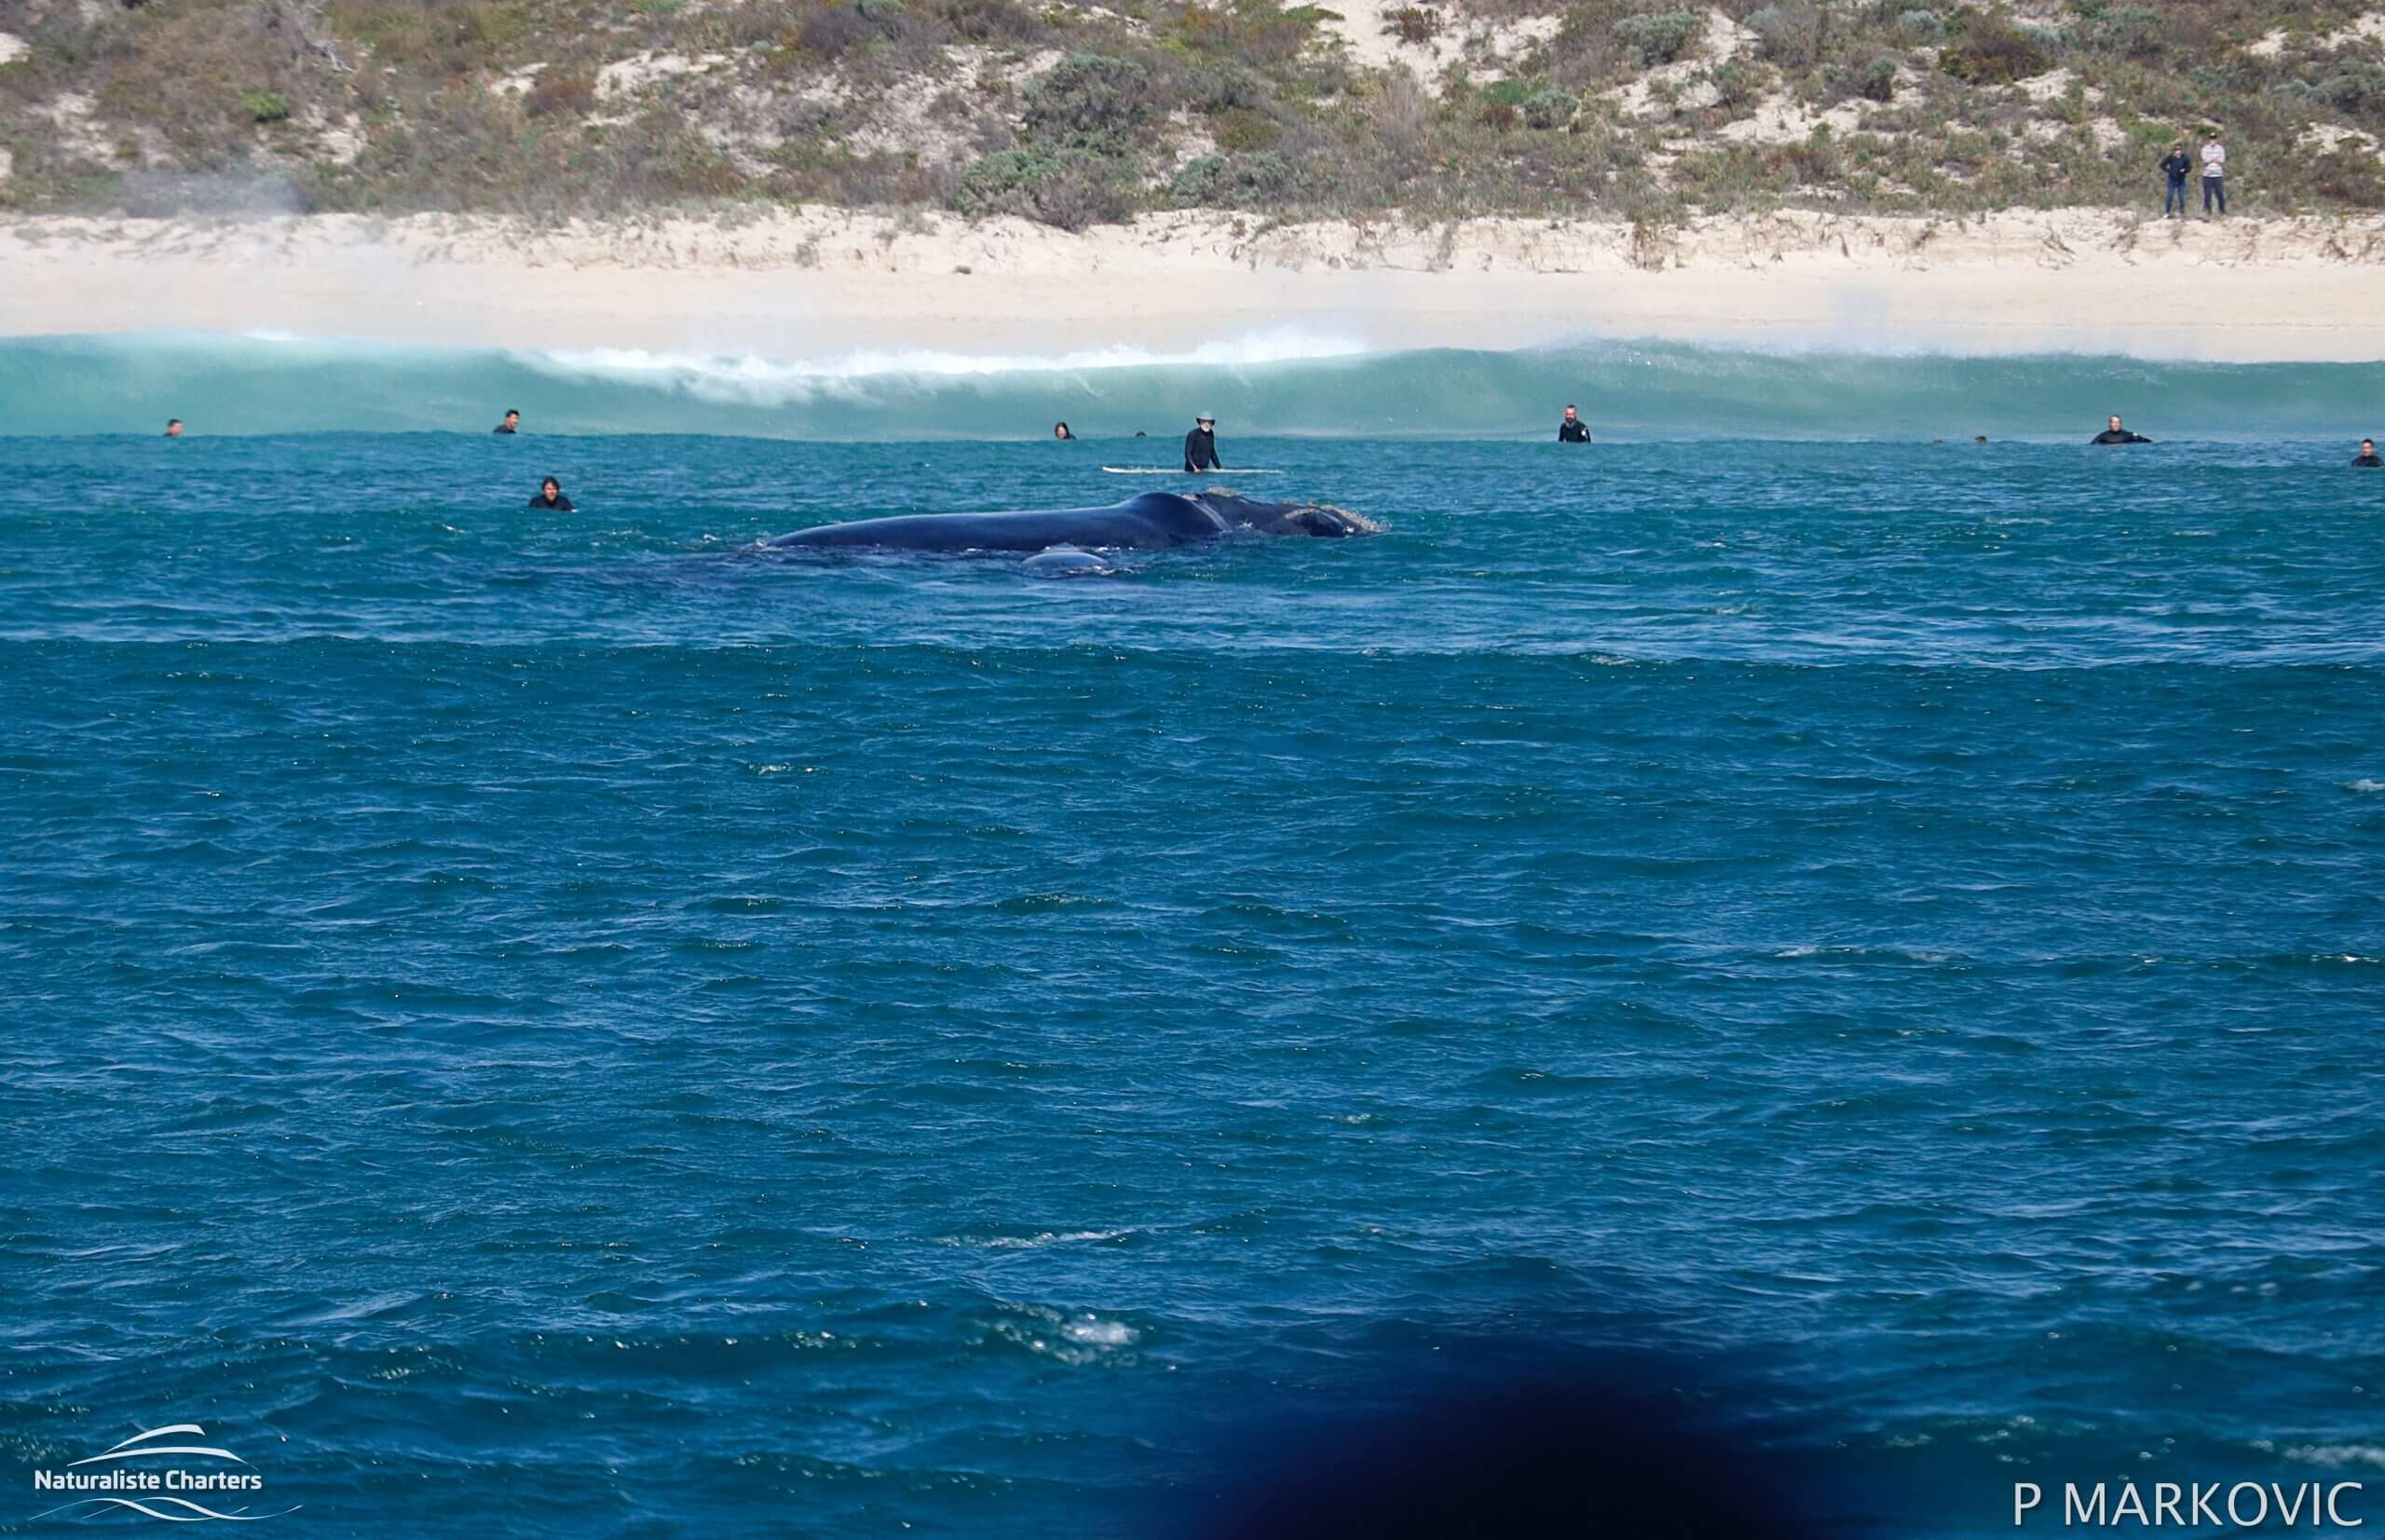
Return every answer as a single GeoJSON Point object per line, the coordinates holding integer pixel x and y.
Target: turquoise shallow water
{"type": "Point", "coordinates": [535, 1025]}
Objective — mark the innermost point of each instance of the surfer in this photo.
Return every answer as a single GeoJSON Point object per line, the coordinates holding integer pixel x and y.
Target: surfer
{"type": "Point", "coordinates": [512, 423]}
{"type": "Point", "coordinates": [2367, 460]}
{"type": "Point", "coordinates": [550, 495]}
{"type": "Point", "coordinates": [1060, 431]}
{"type": "Point", "coordinates": [1201, 445]}
{"type": "Point", "coordinates": [1572, 430]}
{"type": "Point", "coordinates": [173, 428]}
{"type": "Point", "coordinates": [2114, 434]}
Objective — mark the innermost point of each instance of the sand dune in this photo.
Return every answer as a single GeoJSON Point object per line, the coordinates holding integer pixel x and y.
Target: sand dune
{"type": "Point", "coordinates": [801, 284]}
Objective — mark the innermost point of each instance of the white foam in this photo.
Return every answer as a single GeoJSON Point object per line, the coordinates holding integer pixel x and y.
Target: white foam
{"type": "Point", "coordinates": [749, 379]}
{"type": "Point", "coordinates": [1096, 1332]}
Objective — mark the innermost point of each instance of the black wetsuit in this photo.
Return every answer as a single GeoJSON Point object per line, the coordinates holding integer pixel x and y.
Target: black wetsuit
{"type": "Point", "coordinates": [1576, 431]}
{"type": "Point", "coordinates": [2119, 435]}
{"type": "Point", "coordinates": [500, 428]}
{"type": "Point", "coordinates": [2367, 462]}
{"type": "Point", "coordinates": [1201, 451]}
{"type": "Point", "coordinates": [561, 503]}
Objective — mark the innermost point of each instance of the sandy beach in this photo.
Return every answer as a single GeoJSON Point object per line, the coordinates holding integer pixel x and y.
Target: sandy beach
{"type": "Point", "coordinates": [821, 283]}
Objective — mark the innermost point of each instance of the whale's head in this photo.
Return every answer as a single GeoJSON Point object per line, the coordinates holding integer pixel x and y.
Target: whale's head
{"type": "Point", "coordinates": [1236, 511]}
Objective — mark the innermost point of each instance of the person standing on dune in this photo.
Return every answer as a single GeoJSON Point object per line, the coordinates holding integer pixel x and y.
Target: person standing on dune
{"type": "Point", "coordinates": [2215, 174]}
{"type": "Point", "coordinates": [2175, 167]}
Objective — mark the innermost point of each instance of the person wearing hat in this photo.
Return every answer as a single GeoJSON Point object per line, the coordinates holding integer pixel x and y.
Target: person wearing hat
{"type": "Point", "coordinates": [1201, 445]}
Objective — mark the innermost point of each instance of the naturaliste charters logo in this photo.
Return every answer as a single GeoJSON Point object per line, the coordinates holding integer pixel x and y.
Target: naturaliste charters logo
{"type": "Point", "coordinates": [151, 1473]}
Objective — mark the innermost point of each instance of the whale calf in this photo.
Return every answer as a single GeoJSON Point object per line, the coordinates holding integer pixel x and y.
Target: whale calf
{"type": "Point", "coordinates": [1152, 520]}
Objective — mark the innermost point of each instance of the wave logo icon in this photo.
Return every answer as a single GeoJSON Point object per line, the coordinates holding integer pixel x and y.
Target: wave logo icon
{"type": "Point", "coordinates": [152, 1474]}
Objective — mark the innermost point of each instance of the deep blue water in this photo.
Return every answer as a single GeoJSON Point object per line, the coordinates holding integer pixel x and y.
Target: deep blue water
{"type": "Point", "coordinates": [539, 1024]}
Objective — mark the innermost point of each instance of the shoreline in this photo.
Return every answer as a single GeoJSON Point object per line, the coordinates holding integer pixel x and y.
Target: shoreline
{"type": "Point", "coordinates": [816, 283]}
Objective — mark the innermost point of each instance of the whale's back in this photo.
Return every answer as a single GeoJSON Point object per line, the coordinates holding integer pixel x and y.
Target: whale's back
{"type": "Point", "coordinates": [1150, 520]}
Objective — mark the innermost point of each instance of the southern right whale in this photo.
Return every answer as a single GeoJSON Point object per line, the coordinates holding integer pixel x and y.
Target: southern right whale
{"type": "Point", "coordinates": [1151, 521]}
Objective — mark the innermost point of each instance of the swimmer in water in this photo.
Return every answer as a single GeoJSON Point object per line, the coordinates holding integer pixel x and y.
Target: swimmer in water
{"type": "Point", "coordinates": [2367, 460]}
{"type": "Point", "coordinates": [512, 423]}
{"type": "Point", "coordinates": [1572, 430]}
{"type": "Point", "coordinates": [1201, 445]}
{"type": "Point", "coordinates": [550, 495]}
{"type": "Point", "coordinates": [1060, 431]}
{"type": "Point", "coordinates": [2117, 434]}
{"type": "Point", "coordinates": [173, 428]}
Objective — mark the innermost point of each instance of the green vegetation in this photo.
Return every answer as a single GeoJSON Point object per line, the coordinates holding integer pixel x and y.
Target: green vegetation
{"type": "Point", "coordinates": [1074, 111]}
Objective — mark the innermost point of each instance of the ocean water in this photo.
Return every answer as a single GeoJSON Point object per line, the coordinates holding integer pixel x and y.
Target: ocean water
{"type": "Point", "coordinates": [534, 1025]}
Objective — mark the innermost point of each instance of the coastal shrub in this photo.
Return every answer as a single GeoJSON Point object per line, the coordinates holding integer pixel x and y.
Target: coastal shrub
{"type": "Point", "coordinates": [560, 93]}
{"type": "Point", "coordinates": [1550, 109]}
{"type": "Point", "coordinates": [1070, 188]}
{"type": "Point", "coordinates": [1659, 38]}
{"type": "Point", "coordinates": [808, 118]}
{"type": "Point", "coordinates": [1091, 102]}
{"type": "Point", "coordinates": [1788, 35]}
{"type": "Point", "coordinates": [1738, 87]}
{"type": "Point", "coordinates": [991, 20]}
{"type": "Point", "coordinates": [1507, 93]}
{"type": "Point", "coordinates": [1812, 164]}
{"type": "Point", "coordinates": [1234, 182]}
{"type": "Point", "coordinates": [265, 106]}
{"type": "Point", "coordinates": [2357, 90]}
{"type": "Point", "coordinates": [1222, 85]}
{"type": "Point", "coordinates": [1994, 52]}
{"type": "Point", "coordinates": [1878, 80]}
{"type": "Point", "coordinates": [1501, 115]}
{"type": "Point", "coordinates": [1413, 24]}
{"type": "Point", "coordinates": [2132, 32]}
{"type": "Point", "coordinates": [1241, 128]}
{"type": "Point", "coordinates": [1922, 26]}
{"type": "Point", "coordinates": [2350, 174]}
{"type": "Point", "coordinates": [831, 31]}
{"type": "Point", "coordinates": [1258, 32]}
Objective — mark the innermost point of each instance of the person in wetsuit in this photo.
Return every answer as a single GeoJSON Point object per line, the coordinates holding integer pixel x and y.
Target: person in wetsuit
{"type": "Point", "coordinates": [2367, 460]}
{"type": "Point", "coordinates": [1572, 430]}
{"type": "Point", "coordinates": [512, 423]}
{"type": "Point", "coordinates": [1060, 431]}
{"type": "Point", "coordinates": [2117, 434]}
{"type": "Point", "coordinates": [550, 495]}
{"type": "Point", "coordinates": [173, 428]}
{"type": "Point", "coordinates": [1201, 445]}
